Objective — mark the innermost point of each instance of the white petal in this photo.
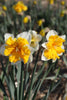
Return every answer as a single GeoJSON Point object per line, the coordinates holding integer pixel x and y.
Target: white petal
{"type": "Point", "coordinates": [31, 49]}
{"type": "Point", "coordinates": [37, 47]}
{"type": "Point", "coordinates": [51, 32]}
{"type": "Point", "coordinates": [32, 32]}
{"type": "Point", "coordinates": [35, 35]}
{"type": "Point", "coordinates": [44, 45]}
{"type": "Point", "coordinates": [43, 57]}
{"type": "Point", "coordinates": [63, 37]}
{"type": "Point", "coordinates": [2, 48]}
{"type": "Point", "coordinates": [62, 46]}
{"type": "Point", "coordinates": [39, 38]}
{"type": "Point", "coordinates": [29, 37]}
{"type": "Point", "coordinates": [60, 54]}
{"type": "Point", "coordinates": [25, 35]}
{"type": "Point", "coordinates": [22, 35]}
{"type": "Point", "coordinates": [7, 35]}
{"type": "Point", "coordinates": [31, 58]}
{"type": "Point", "coordinates": [54, 60]}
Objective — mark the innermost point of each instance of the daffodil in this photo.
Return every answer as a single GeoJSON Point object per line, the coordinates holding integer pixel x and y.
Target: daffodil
{"type": "Point", "coordinates": [25, 20]}
{"type": "Point", "coordinates": [42, 32]}
{"type": "Point", "coordinates": [62, 13]}
{"type": "Point", "coordinates": [62, 3]}
{"type": "Point", "coordinates": [51, 2]}
{"type": "Point", "coordinates": [35, 39]}
{"type": "Point", "coordinates": [4, 8]}
{"type": "Point", "coordinates": [19, 7]}
{"type": "Point", "coordinates": [40, 22]}
{"type": "Point", "coordinates": [53, 47]}
{"type": "Point", "coordinates": [17, 48]}
{"type": "Point", "coordinates": [34, 2]}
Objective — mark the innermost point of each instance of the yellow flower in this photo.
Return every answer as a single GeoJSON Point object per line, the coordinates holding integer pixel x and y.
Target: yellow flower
{"type": "Point", "coordinates": [39, 22]}
{"type": "Point", "coordinates": [4, 8]}
{"type": "Point", "coordinates": [25, 20]}
{"type": "Point", "coordinates": [62, 3]}
{"type": "Point", "coordinates": [17, 48]}
{"type": "Point", "coordinates": [34, 2]}
{"type": "Point", "coordinates": [62, 13]}
{"type": "Point", "coordinates": [19, 7]}
{"type": "Point", "coordinates": [54, 47]}
{"type": "Point", "coordinates": [42, 32]}
{"type": "Point", "coordinates": [51, 2]}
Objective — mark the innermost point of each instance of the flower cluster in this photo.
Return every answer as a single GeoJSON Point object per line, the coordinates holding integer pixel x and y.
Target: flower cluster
{"type": "Point", "coordinates": [25, 44]}
{"type": "Point", "coordinates": [22, 47]}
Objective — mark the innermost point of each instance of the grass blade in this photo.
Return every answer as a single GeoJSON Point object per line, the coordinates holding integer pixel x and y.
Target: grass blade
{"type": "Point", "coordinates": [44, 76]}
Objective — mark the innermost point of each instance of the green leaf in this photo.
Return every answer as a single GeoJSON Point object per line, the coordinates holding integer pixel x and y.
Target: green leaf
{"type": "Point", "coordinates": [5, 98]}
{"type": "Point", "coordinates": [7, 79]}
{"type": "Point", "coordinates": [2, 87]}
{"type": "Point", "coordinates": [65, 60]}
{"type": "Point", "coordinates": [6, 69]}
{"type": "Point", "coordinates": [31, 85]}
{"type": "Point", "coordinates": [51, 89]}
{"type": "Point", "coordinates": [18, 78]}
{"type": "Point", "coordinates": [22, 91]}
{"type": "Point", "coordinates": [39, 72]}
{"type": "Point", "coordinates": [42, 79]}
{"type": "Point", "coordinates": [12, 87]}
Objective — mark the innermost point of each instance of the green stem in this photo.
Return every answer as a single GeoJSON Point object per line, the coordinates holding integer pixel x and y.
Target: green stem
{"type": "Point", "coordinates": [22, 94]}
{"type": "Point", "coordinates": [33, 76]}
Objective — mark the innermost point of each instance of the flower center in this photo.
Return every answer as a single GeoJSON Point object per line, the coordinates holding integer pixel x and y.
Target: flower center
{"type": "Point", "coordinates": [33, 42]}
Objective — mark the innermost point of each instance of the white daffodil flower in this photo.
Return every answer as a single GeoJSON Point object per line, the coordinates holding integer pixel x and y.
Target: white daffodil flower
{"type": "Point", "coordinates": [17, 48]}
{"type": "Point", "coordinates": [54, 47]}
{"type": "Point", "coordinates": [35, 39]}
